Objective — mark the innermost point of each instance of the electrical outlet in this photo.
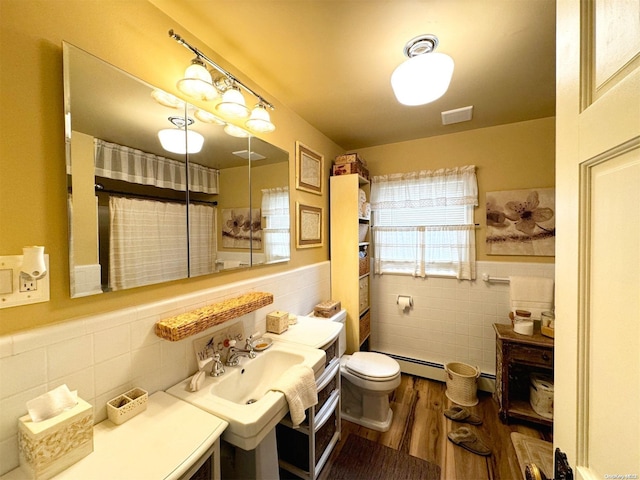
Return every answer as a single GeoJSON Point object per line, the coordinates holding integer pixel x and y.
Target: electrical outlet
{"type": "Point", "coordinates": [27, 283]}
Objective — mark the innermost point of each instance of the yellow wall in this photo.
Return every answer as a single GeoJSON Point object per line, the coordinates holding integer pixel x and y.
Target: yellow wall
{"type": "Point", "coordinates": [508, 157]}
{"type": "Point", "coordinates": [132, 35]}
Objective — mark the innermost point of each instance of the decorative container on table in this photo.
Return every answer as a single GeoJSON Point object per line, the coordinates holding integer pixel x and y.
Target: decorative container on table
{"type": "Point", "coordinates": [277, 321]}
{"type": "Point", "coordinates": [127, 405]}
{"type": "Point", "coordinates": [326, 309]}
{"type": "Point", "coordinates": [50, 446]}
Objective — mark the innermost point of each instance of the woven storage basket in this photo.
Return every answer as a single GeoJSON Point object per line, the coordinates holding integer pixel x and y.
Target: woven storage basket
{"type": "Point", "coordinates": [462, 383]}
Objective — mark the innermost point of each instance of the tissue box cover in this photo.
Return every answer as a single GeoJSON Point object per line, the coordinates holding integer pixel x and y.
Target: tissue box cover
{"type": "Point", "coordinates": [277, 321]}
{"type": "Point", "coordinates": [48, 447]}
{"type": "Point", "coordinates": [326, 309]}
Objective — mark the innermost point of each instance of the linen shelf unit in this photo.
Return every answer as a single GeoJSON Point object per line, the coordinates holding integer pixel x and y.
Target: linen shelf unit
{"type": "Point", "coordinates": [349, 273]}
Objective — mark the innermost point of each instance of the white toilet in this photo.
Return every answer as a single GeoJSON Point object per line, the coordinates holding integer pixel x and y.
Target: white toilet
{"type": "Point", "coordinates": [367, 380]}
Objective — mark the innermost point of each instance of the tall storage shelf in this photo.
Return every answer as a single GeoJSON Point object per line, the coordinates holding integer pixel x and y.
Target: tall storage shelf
{"type": "Point", "coordinates": [350, 272]}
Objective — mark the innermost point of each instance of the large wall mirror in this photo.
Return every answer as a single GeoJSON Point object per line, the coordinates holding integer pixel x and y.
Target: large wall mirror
{"type": "Point", "coordinates": [140, 213]}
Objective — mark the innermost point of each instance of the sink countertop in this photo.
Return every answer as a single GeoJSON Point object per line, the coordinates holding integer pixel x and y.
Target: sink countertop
{"type": "Point", "coordinates": [309, 331]}
{"type": "Point", "coordinates": [163, 442]}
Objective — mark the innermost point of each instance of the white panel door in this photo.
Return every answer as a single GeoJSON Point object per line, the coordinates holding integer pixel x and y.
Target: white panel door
{"type": "Point", "coordinates": [597, 347]}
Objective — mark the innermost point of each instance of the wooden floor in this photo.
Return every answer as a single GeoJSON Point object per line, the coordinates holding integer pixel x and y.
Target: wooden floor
{"type": "Point", "coordinates": [420, 429]}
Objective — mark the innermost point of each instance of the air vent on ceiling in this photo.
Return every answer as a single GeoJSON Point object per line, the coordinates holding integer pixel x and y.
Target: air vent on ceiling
{"type": "Point", "coordinates": [458, 115]}
{"type": "Point", "coordinates": [245, 154]}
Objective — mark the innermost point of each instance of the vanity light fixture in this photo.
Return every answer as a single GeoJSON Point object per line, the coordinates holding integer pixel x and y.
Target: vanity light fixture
{"type": "Point", "coordinates": [235, 131]}
{"type": "Point", "coordinates": [207, 117]}
{"type": "Point", "coordinates": [260, 120]}
{"type": "Point", "coordinates": [197, 81]}
{"type": "Point", "coordinates": [233, 102]}
{"type": "Point", "coordinates": [166, 99]}
{"type": "Point", "coordinates": [180, 140]}
{"type": "Point", "coordinates": [425, 76]}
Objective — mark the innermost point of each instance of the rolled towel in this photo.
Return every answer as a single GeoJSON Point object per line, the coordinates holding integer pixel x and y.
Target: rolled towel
{"type": "Point", "coordinates": [298, 384]}
{"type": "Point", "coordinates": [362, 196]}
{"type": "Point", "coordinates": [365, 210]}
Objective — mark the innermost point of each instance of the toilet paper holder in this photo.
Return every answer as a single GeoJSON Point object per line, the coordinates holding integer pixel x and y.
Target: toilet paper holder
{"type": "Point", "coordinates": [404, 301]}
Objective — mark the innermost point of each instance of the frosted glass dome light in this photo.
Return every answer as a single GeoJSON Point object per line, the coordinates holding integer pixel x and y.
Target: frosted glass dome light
{"type": "Point", "coordinates": [425, 76]}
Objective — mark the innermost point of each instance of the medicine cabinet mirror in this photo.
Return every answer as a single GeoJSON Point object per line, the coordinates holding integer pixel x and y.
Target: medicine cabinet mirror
{"type": "Point", "coordinates": [139, 214]}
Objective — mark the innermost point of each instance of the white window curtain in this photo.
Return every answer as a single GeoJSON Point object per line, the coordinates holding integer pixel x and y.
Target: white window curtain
{"type": "Point", "coordinates": [125, 163]}
{"type": "Point", "coordinates": [202, 239]}
{"type": "Point", "coordinates": [275, 235]}
{"type": "Point", "coordinates": [148, 242]}
{"type": "Point", "coordinates": [423, 223]}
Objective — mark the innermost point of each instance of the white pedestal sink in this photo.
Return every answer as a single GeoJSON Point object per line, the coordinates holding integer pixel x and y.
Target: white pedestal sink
{"type": "Point", "coordinates": [226, 397]}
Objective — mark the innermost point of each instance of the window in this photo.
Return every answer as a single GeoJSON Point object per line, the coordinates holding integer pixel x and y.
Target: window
{"type": "Point", "coordinates": [423, 223]}
{"type": "Point", "coordinates": [275, 235]}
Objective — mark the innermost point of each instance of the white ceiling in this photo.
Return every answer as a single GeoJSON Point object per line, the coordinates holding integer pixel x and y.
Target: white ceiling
{"type": "Point", "coordinates": [330, 60]}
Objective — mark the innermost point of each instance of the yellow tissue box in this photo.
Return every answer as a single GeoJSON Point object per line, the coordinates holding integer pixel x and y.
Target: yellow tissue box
{"type": "Point", "coordinates": [48, 447]}
{"type": "Point", "coordinates": [277, 321]}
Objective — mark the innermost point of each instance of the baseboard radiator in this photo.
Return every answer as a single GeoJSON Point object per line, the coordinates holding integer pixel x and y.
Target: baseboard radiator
{"type": "Point", "coordinates": [435, 371]}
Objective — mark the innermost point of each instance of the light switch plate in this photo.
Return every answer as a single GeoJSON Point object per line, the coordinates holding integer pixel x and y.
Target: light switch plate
{"type": "Point", "coordinates": [6, 281]}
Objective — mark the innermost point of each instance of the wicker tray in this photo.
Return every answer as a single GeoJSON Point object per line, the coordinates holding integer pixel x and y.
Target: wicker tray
{"type": "Point", "coordinates": [190, 323]}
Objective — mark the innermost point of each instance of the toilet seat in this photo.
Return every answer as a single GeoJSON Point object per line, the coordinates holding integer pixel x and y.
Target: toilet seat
{"type": "Point", "coordinates": [371, 366]}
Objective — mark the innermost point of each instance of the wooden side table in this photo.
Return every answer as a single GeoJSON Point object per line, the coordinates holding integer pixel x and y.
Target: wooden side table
{"type": "Point", "coordinates": [517, 357]}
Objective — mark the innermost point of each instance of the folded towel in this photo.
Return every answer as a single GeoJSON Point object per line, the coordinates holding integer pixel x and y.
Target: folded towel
{"type": "Point", "coordinates": [534, 294]}
{"type": "Point", "coordinates": [299, 387]}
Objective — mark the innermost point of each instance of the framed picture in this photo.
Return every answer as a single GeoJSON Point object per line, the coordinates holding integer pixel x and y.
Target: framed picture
{"type": "Point", "coordinates": [309, 223]}
{"type": "Point", "coordinates": [309, 169]}
{"type": "Point", "coordinates": [521, 222]}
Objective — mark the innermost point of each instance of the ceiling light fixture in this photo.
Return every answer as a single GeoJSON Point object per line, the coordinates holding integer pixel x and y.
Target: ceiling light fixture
{"type": "Point", "coordinates": [232, 99]}
{"type": "Point", "coordinates": [180, 140]}
{"type": "Point", "coordinates": [425, 76]}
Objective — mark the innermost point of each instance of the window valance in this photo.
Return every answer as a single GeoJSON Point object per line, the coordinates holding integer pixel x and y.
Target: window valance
{"type": "Point", "coordinates": [131, 165]}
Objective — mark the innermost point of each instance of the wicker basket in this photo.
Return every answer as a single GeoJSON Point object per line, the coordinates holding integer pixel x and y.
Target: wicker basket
{"type": "Point", "coordinates": [462, 383]}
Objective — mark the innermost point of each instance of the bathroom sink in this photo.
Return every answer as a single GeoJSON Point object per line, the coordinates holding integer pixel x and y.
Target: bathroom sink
{"type": "Point", "coordinates": [242, 396]}
{"type": "Point", "coordinates": [255, 377]}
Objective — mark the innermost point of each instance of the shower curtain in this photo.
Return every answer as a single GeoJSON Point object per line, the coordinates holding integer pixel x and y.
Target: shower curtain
{"type": "Point", "coordinates": [148, 241]}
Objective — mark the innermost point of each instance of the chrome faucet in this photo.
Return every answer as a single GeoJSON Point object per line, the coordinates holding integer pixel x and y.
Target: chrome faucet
{"type": "Point", "coordinates": [235, 353]}
{"type": "Point", "coordinates": [217, 368]}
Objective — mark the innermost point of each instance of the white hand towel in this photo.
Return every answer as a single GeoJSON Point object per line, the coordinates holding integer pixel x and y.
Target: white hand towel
{"type": "Point", "coordinates": [298, 384]}
{"type": "Point", "coordinates": [534, 294]}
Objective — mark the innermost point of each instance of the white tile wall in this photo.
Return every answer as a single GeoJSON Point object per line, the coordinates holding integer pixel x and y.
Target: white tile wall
{"type": "Point", "coordinates": [451, 320]}
{"type": "Point", "coordinates": [104, 355]}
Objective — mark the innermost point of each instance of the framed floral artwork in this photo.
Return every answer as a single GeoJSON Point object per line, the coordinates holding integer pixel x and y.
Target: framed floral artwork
{"type": "Point", "coordinates": [241, 227]}
{"type": "Point", "coordinates": [521, 222]}
{"type": "Point", "coordinates": [309, 169]}
{"type": "Point", "coordinates": [309, 226]}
